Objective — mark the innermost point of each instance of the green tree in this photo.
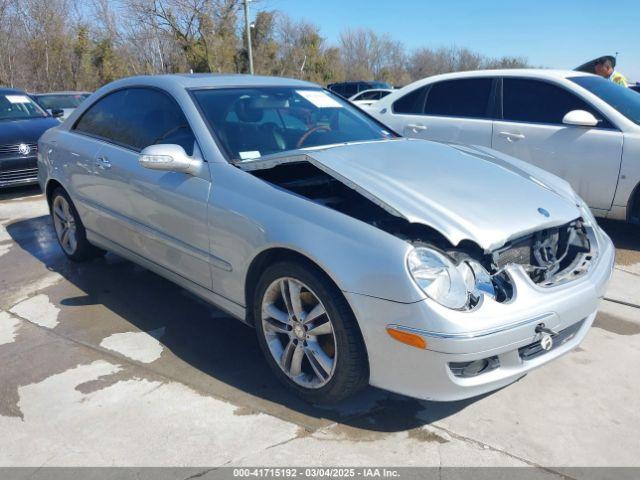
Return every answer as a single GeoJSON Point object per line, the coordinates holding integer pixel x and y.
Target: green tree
{"type": "Point", "coordinates": [83, 69]}
{"type": "Point", "coordinates": [108, 66]}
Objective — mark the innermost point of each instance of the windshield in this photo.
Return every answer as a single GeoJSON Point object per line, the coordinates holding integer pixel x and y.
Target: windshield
{"type": "Point", "coordinates": [16, 106]}
{"type": "Point", "coordinates": [61, 101]}
{"type": "Point", "coordinates": [626, 101]}
{"type": "Point", "coordinates": [253, 122]}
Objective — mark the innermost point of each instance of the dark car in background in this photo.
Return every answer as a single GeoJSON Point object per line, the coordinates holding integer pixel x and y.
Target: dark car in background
{"type": "Point", "coordinates": [349, 89]}
{"type": "Point", "coordinates": [65, 101]}
{"type": "Point", "coordinates": [22, 121]}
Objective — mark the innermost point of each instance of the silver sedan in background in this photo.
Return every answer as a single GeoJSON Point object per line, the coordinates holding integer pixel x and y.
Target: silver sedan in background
{"type": "Point", "coordinates": [435, 271]}
{"type": "Point", "coordinates": [367, 98]}
{"type": "Point", "coordinates": [66, 102]}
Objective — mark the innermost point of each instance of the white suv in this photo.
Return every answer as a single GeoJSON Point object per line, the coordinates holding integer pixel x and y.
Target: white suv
{"type": "Point", "coordinates": [581, 127]}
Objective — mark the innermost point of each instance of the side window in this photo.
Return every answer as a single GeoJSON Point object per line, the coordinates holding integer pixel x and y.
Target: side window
{"type": "Point", "coordinates": [100, 119]}
{"type": "Point", "coordinates": [534, 101]}
{"type": "Point", "coordinates": [350, 89]}
{"type": "Point", "coordinates": [339, 89]}
{"type": "Point", "coordinates": [368, 96]}
{"type": "Point", "coordinates": [467, 97]}
{"type": "Point", "coordinates": [411, 103]}
{"type": "Point", "coordinates": [136, 118]}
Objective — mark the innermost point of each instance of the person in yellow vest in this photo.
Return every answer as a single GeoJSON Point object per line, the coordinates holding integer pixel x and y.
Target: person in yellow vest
{"type": "Point", "coordinates": [604, 68]}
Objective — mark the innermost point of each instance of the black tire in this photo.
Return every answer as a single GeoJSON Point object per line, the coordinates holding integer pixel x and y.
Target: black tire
{"type": "Point", "coordinates": [84, 250]}
{"type": "Point", "coordinates": [634, 207]}
{"type": "Point", "coordinates": [351, 371]}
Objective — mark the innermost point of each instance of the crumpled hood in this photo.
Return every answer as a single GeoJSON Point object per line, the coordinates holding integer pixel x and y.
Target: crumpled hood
{"type": "Point", "coordinates": [463, 192]}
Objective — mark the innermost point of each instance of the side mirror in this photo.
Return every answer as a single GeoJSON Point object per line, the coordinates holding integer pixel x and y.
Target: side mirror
{"type": "Point", "coordinates": [580, 118]}
{"type": "Point", "coordinates": [56, 112]}
{"type": "Point", "coordinates": [170, 158]}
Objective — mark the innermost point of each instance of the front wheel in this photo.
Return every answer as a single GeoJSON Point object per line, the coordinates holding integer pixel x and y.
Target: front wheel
{"type": "Point", "coordinates": [308, 333]}
{"type": "Point", "coordinates": [70, 231]}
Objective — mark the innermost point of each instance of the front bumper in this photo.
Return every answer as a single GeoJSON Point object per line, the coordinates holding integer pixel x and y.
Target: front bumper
{"type": "Point", "coordinates": [18, 171]}
{"type": "Point", "coordinates": [494, 330]}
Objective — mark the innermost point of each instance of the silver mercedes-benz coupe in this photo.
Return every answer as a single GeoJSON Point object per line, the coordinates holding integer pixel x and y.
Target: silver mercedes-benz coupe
{"type": "Point", "coordinates": [432, 270]}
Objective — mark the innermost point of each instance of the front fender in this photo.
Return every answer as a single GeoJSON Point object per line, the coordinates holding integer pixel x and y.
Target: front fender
{"type": "Point", "coordinates": [248, 216]}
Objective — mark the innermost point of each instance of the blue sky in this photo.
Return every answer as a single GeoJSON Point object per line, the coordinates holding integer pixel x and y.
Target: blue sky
{"type": "Point", "coordinates": [551, 33]}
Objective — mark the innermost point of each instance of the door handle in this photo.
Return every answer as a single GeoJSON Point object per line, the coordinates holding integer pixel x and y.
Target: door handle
{"type": "Point", "coordinates": [512, 137]}
{"type": "Point", "coordinates": [416, 127]}
{"type": "Point", "coordinates": [103, 163]}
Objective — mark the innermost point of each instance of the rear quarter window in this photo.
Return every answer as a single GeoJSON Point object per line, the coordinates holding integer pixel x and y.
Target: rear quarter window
{"type": "Point", "coordinates": [411, 103]}
{"type": "Point", "coordinates": [468, 97]}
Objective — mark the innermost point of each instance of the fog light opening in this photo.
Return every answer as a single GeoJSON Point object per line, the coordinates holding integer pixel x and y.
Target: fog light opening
{"type": "Point", "coordinates": [475, 367]}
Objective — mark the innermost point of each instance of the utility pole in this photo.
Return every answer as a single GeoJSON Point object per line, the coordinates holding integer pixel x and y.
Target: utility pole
{"type": "Point", "coordinates": [248, 30]}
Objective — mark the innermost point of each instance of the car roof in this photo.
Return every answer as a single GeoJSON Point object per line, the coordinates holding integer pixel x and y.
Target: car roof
{"type": "Point", "coordinates": [7, 90]}
{"type": "Point", "coordinates": [515, 72]}
{"type": "Point", "coordinates": [375, 90]}
{"type": "Point", "coordinates": [209, 80]}
{"type": "Point", "coordinates": [350, 82]}
{"type": "Point", "coordinates": [69, 92]}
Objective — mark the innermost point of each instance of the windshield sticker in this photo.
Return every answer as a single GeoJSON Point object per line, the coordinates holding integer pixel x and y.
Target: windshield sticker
{"type": "Point", "coordinates": [18, 98]}
{"type": "Point", "coordinates": [319, 98]}
{"type": "Point", "coordinates": [250, 155]}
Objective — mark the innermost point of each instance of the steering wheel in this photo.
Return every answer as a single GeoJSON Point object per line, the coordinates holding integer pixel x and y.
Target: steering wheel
{"type": "Point", "coordinates": [308, 133]}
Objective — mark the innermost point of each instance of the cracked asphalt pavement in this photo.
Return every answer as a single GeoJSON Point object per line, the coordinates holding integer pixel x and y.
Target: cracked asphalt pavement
{"type": "Point", "coordinates": [108, 364]}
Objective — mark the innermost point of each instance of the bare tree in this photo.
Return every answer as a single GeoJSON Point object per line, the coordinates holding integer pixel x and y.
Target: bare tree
{"type": "Point", "coordinates": [425, 62]}
{"type": "Point", "coordinates": [205, 30]}
{"type": "Point", "coordinates": [302, 51]}
{"type": "Point", "coordinates": [368, 56]}
{"type": "Point", "coordinates": [83, 44]}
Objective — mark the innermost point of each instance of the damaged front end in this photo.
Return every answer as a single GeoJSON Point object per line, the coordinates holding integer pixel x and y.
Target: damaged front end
{"type": "Point", "coordinates": [456, 276]}
{"type": "Point", "coordinates": [550, 257]}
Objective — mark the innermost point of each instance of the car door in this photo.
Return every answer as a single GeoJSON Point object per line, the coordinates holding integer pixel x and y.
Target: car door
{"type": "Point", "coordinates": [159, 215]}
{"type": "Point", "coordinates": [101, 194]}
{"type": "Point", "coordinates": [452, 111]}
{"type": "Point", "coordinates": [531, 129]}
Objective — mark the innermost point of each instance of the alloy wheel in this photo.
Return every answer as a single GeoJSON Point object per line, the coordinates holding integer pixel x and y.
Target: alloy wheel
{"type": "Point", "coordinates": [299, 333]}
{"type": "Point", "coordinates": [65, 225]}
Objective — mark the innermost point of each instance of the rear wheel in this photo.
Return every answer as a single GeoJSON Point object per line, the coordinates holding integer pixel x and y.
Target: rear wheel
{"type": "Point", "coordinates": [69, 229]}
{"type": "Point", "coordinates": [634, 206]}
{"type": "Point", "coordinates": [308, 333]}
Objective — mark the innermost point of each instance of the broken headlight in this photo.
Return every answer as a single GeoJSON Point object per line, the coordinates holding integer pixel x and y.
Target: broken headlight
{"type": "Point", "coordinates": [459, 285]}
{"type": "Point", "coordinates": [438, 277]}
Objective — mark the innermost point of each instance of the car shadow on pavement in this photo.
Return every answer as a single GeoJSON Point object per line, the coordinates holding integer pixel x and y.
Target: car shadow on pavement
{"type": "Point", "coordinates": [223, 351]}
{"type": "Point", "coordinates": [624, 235]}
{"type": "Point", "coordinates": [14, 193]}
{"type": "Point", "coordinates": [626, 238]}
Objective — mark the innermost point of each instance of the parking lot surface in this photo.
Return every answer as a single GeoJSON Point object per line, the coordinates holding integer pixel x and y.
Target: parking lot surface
{"type": "Point", "coordinates": [106, 363]}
